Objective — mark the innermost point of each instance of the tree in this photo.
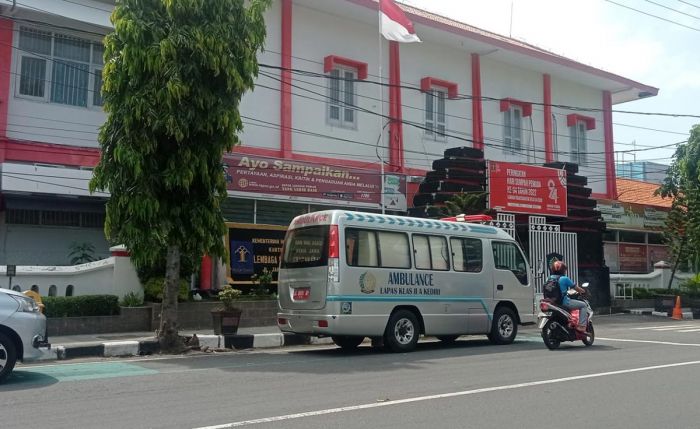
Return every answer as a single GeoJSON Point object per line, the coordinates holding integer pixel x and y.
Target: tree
{"type": "Point", "coordinates": [682, 229]}
{"type": "Point", "coordinates": [174, 75]}
{"type": "Point", "coordinates": [465, 203]}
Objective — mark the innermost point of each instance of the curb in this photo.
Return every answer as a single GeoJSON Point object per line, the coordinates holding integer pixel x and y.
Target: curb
{"type": "Point", "coordinates": [687, 313]}
{"type": "Point", "coordinates": [151, 346]}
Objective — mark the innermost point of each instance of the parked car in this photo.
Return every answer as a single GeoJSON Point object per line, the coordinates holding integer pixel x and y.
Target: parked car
{"type": "Point", "coordinates": [22, 330]}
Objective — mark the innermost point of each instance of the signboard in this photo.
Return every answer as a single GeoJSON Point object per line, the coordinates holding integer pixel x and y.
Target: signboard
{"type": "Point", "coordinates": [634, 216]}
{"type": "Point", "coordinates": [517, 188]}
{"type": "Point", "coordinates": [632, 258]}
{"type": "Point", "coordinates": [11, 270]}
{"type": "Point", "coordinates": [328, 184]}
{"type": "Point", "coordinates": [252, 248]}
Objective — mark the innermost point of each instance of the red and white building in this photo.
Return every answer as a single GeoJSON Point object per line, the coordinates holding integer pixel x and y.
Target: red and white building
{"type": "Point", "coordinates": [315, 126]}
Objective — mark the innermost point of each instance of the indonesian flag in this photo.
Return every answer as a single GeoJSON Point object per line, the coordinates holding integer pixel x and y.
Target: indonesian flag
{"type": "Point", "coordinates": [395, 25]}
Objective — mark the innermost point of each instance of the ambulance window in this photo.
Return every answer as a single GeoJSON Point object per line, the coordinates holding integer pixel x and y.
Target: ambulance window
{"type": "Point", "coordinates": [467, 254]}
{"type": "Point", "coordinates": [430, 252]}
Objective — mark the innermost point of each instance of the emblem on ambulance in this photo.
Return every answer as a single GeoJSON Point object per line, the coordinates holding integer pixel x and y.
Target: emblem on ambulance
{"type": "Point", "coordinates": [367, 283]}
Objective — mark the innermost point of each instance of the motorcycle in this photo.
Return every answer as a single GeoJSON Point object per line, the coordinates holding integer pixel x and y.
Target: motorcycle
{"type": "Point", "coordinates": [557, 323]}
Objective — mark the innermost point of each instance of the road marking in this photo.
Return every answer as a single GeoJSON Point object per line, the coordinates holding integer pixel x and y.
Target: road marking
{"type": "Point", "coordinates": [85, 371]}
{"type": "Point", "coordinates": [442, 396]}
{"type": "Point", "coordinates": [690, 330]}
{"type": "Point", "coordinates": [664, 343]}
{"type": "Point", "coordinates": [663, 327]}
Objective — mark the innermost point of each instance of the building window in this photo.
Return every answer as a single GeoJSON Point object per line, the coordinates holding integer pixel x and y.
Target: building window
{"type": "Point", "coordinates": [579, 144]}
{"type": "Point", "coordinates": [512, 129]}
{"type": "Point", "coordinates": [435, 124]}
{"type": "Point", "coordinates": [60, 68]}
{"type": "Point", "coordinates": [52, 290]}
{"type": "Point", "coordinates": [341, 99]}
{"type": "Point", "coordinates": [70, 290]}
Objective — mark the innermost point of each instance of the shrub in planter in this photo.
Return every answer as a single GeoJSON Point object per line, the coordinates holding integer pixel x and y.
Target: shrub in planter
{"type": "Point", "coordinates": [226, 317]}
{"type": "Point", "coordinates": [153, 290]}
{"type": "Point", "coordinates": [132, 299]}
{"type": "Point", "coordinates": [81, 306]}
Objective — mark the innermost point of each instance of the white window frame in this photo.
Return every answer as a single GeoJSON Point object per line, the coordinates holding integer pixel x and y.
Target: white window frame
{"type": "Point", "coordinates": [434, 120]}
{"type": "Point", "coordinates": [512, 143]}
{"type": "Point", "coordinates": [50, 59]}
{"type": "Point", "coordinates": [579, 143]}
{"type": "Point", "coordinates": [346, 76]}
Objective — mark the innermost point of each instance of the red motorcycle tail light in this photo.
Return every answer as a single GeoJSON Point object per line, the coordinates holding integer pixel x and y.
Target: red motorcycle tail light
{"type": "Point", "coordinates": [544, 306]}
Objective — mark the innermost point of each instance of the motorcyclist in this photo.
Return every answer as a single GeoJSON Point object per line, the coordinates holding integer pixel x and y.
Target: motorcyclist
{"type": "Point", "coordinates": [559, 268]}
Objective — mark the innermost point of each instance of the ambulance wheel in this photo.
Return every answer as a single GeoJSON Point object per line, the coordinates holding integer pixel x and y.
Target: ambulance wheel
{"type": "Point", "coordinates": [402, 332]}
{"type": "Point", "coordinates": [347, 342]}
{"type": "Point", "coordinates": [504, 327]}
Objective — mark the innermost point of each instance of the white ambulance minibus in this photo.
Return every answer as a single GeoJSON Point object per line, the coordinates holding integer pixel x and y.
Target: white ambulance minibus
{"type": "Point", "coordinates": [351, 275]}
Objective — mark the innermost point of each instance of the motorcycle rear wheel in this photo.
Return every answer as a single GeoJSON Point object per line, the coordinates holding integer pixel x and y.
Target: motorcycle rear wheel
{"type": "Point", "coordinates": [590, 335]}
{"type": "Point", "coordinates": [548, 336]}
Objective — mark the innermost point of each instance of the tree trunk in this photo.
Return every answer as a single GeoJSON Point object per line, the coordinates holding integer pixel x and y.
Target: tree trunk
{"type": "Point", "coordinates": [168, 336]}
{"type": "Point", "coordinates": [676, 262]}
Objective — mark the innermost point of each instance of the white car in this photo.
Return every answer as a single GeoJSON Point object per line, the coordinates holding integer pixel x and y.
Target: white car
{"type": "Point", "coordinates": [22, 330]}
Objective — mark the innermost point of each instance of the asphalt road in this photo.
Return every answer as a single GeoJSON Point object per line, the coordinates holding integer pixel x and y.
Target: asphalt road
{"type": "Point", "coordinates": [642, 372]}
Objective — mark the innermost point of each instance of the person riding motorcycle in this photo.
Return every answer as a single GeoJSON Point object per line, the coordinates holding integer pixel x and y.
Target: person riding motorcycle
{"type": "Point", "coordinates": [559, 268]}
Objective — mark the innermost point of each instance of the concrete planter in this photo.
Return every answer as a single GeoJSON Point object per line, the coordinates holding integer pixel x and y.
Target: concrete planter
{"type": "Point", "coordinates": [130, 319]}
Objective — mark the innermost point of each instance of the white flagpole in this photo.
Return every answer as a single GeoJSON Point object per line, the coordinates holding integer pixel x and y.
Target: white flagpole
{"type": "Point", "coordinates": [381, 104]}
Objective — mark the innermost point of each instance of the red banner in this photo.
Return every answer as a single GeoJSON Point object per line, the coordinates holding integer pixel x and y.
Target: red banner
{"type": "Point", "coordinates": [313, 182]}
{"type": "Point", "coordinates": [517, 188]}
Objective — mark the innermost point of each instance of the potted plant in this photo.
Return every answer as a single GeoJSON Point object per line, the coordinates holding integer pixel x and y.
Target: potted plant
{"type": "Point", "coordinates": [227, 316]}
{"type": "Point", "coordinates": [262, 282]}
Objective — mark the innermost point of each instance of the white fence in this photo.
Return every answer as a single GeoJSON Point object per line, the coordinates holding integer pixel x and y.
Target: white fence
{"type": "Point", "coordinates": [112, 276]}
{"type": "Point", "coordinates": [623, 286]}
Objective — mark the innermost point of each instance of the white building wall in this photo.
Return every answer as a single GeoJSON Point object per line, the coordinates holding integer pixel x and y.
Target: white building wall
{"type": "Point", "coordinates": [432, 60]}
{"type": "Point", "coordinates": [38, 120]}
{"type": "Point", "coordinates": [566, 93]}
{"type": "Point", "coordinates": [111, 276]}
{"type": "Point", "coordinates": [261, 107]}
{"type": "Point", "coordinates": [316, 35]}
{"type": "Point", "coordinates": [498, 81]}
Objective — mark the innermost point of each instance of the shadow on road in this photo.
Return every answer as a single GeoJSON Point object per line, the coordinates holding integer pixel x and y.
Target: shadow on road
{"type": "Point", "coordinates": [25, 380]}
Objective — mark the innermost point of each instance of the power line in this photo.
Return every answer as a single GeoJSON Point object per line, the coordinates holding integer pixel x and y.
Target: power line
{"type": "Point", "coordinates": [689, 4]}
{"type": "Point", "coordinates": [446, 114]}
{"type": "Point", "coordinates": [461, 96]}
{"type": "Point", "coordinates": [672, 9]}
{"type": "Point", "coordinates": [653, 16]}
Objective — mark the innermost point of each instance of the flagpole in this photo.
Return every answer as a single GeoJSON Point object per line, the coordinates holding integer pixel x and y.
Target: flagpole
{"type": "Point", "coordinates": [381, 104]}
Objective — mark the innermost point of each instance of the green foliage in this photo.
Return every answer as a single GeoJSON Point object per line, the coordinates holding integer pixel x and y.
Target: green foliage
{"type": "Point", "coordinates": [132, 299]}
{"type": "Point", "coordinates": [228, 295]}
{"type": "Point", "coordinates": [153, 290]}
{"type": "Point", "coordinates": [465, 203]}
{"type": "Point", "coordinates": [81, 306]}
{"type": "Point", "coordinates": [682, 231]}
{"type": "Point", "coordinates": [174, 75]}
{"type": "Point", "coordinates": [692, 285]}
{"type": "Point", "coordinates": [262, 281]}
{"type": "Point", "coordinates": [189, 265]}
{"type": "Point", "coordinates": [81, 253]}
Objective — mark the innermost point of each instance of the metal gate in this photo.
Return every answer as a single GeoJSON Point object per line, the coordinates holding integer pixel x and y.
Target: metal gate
{"type": "Point", "coordinates": [547, 241]}
{"type": "Point", "coordinates": [506, 222]}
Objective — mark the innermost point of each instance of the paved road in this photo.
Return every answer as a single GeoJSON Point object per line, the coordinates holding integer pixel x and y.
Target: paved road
{"type": "Point", "coordinates": [642, 372]}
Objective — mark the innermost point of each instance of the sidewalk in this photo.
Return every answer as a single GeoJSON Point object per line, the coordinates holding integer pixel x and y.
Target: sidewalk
{"type": "Point", "coordinates": [145, 343]}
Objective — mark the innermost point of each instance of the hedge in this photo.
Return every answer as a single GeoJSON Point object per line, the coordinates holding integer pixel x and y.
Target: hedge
{"type": "Point", "coordinates": [81, 306]}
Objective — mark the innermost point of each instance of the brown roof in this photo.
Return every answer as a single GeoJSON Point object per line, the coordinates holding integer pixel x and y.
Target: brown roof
{"type": "Point", "coordinates": [638, 192]}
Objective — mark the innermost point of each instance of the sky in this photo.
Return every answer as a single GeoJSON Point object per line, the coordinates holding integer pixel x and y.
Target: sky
{"type": "Point", "coordinates": [607, 35]}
